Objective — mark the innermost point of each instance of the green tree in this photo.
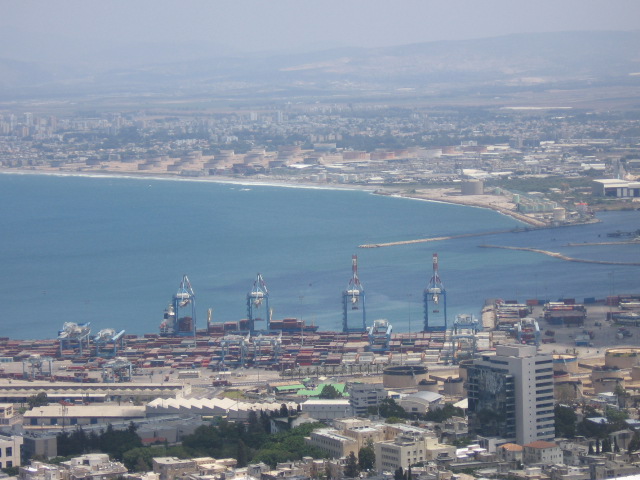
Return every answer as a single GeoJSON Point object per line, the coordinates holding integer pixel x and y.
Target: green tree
{"type": "Point", "coordinates": [565, 419]}
{"type": "Point", "coordinates": [329, 392]}
{"type": "Point", "coordinates": [351, 469]}
{"type": "Point", "coordinates": [367, 457]}
{"type": "Point", "coordinates": [38, 400]}
{"type": "Point", "coordinates": [398, 474]}
{"type": "Point", "coordinates": [389, 408]}
{"type": "Point", "coordinates": [441, 414]}
{"type": "Point", "coordinates": [242, 454]}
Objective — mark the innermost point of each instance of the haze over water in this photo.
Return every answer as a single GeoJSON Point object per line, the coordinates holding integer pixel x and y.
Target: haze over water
{"type": "Point", "coordinates": [112, 251]}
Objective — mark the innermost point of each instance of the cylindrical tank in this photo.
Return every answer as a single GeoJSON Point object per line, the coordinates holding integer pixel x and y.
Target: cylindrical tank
{"type": "Point", "coordinates": [453, 386]}
{"type": "Point", "coordinates": [472, 187]}
{"type": "Point", "coordinates": [622, 357]}
{"type": "Point", "coordinates": [404, 376]}
{"type": "Point", "coordinates": [607, 385]}
{"type": "Point", "coordinates": [559, 214]}
{"type": "Point", "coordinates": [428, 386]}
{"type": "Point", "coordinates": [605, 372]}
{"type": "Point", "coordinates": [565, 363]}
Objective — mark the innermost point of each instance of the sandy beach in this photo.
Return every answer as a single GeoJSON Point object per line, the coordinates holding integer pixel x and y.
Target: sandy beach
{"type": "Point", "coordinates": [499, 203]}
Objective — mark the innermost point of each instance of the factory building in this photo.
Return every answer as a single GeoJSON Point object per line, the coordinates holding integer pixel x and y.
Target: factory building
{"type": "Point", "coordinates": [611, 187]}
{"type": "Point", "coordinates": [511, 395]}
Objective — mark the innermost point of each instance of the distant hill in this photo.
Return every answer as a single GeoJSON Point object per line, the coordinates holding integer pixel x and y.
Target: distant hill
{"type": "Point", "coordinates": [522, 61]}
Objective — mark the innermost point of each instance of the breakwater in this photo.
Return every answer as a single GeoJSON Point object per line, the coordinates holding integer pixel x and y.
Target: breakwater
{"type": "Point", "coordinates": [561, 256]}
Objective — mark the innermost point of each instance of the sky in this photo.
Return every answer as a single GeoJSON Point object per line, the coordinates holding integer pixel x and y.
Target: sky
{"type": "Point", "coordinates": [32, 29]}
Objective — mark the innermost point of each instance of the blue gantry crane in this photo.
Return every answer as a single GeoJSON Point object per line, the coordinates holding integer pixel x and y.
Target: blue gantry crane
{"type": "Point", "coordinates": [180, 315]}
{"type": "Point", "coordinates": [353, 302]}
{"type": "Point", "coordinates": [435, 302]}
{"type": "Point", "coordinates": [258, 304]}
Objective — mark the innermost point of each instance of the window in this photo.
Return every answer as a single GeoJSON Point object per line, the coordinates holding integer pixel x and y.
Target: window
{"type": "Point", "coordinates": [9, 464]}
{"type": "Point", "coordinates": [93, 421]}
{"type": "Point", "coordinates": [34, 421]}
{"type": "Point", "coordinates": [9, 452]}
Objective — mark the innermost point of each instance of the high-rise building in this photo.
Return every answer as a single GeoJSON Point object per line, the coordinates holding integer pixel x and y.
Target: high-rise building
{"type": "Point", "coordinates": [511, 395]}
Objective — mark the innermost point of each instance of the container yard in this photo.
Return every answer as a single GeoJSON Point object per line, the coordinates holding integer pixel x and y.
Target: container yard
{"type": "Point", "coordinates": [290, 346]}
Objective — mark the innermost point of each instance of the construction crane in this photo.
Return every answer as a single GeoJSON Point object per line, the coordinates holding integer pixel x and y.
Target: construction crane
{"type": "Point", "coordinates": [435, 302]}
{"type": "Point", "coordinates": [353, 301]}
{"type": "Point", "coordinates": [177, 321]}
{"type": "Point", "coordinates": [258, 298]}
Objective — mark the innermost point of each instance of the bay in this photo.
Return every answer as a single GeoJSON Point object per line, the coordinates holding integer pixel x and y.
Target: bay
{"type": "Point", "coordinates": [112, 251]}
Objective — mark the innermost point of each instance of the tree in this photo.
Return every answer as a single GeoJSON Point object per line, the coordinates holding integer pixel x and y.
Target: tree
{"type": "Point", "coordinates": [329, 392]}
{"type": "Point", "coordinates": [367, 457]}
{"type": "Point", "coordinates": [242, 455]}
{"type": "Point", "coordinates": [565, 419]}
{"type": "Point", "coordinates": [351, 469]}
{"type": "Point", "coordinates": [398, 474]}
{"type": "Point", "coordinates": [284, 410]}
{"type": "Point", "coordinates": [591, 451]}
{"type": "Point", "coordinates": [38, 400]}
{"type": "Point", "coordinates": [389, 408]}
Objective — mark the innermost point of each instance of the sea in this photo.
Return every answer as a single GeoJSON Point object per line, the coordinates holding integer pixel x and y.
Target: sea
{"type": "Point", "coordinates": [112, 251]}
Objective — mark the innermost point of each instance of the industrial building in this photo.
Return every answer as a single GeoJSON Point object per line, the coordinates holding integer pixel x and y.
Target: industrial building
{"type": "Point", "coordinates": [611, 187]}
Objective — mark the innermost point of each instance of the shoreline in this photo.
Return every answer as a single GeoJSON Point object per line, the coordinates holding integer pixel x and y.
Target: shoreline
{"type": "Point", "coordinates": [498, 204]}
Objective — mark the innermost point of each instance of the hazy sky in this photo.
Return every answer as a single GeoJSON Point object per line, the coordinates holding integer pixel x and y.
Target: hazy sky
{"type": "Point", "coordinates": [30, 29]}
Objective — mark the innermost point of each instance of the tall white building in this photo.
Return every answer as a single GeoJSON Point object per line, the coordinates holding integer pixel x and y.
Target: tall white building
{"type": "Point", "coordinates": [511, 395]}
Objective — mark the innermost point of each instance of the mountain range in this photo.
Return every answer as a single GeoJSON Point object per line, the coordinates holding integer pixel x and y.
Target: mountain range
{"type": "Point", "coordinates": [520, 62]}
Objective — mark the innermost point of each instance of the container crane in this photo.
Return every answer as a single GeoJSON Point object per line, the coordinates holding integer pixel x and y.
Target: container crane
{"type": "Point", "coordinates": [177, 321]}
{"type": "Point", "coordinates": [435, 302]}
{"type": "Point", "coordinates": [353, 301]}
{"type": "Point", "coordinates": [257, 301]}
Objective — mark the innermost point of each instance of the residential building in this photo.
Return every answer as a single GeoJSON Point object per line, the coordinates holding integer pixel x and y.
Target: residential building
{"type": "Point", "coordinates": [541, 452]}
{"type": "Point", "coordinates": [10, 450]}
{"type": "Point", "coordinates": [172, 467]}
{"type": "Point", "coordinates": [510, 452]}
{"type": "Point", "coordinates": [511, 395]}
{"type": "Point", "coordinates": [363, 396]}
{"type": "Point", "coordinates": [333, 442]}
{"type": "Point", "coordinates": [408, 449]}
{"type": "Point", "coordinates": [93, 466]}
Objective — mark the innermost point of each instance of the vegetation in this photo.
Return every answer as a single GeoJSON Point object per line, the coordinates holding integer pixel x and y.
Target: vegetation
{"type": "Point", "coordinates": [367, 457]}
{"type": "Point", "coordinates": [38, 400]}
{"type": "Point", "coordinates": [330, 392]}
{"type": "Point", "coordinates": [565, 419]}
{"type": "Point", "coordinates": [114, 442]}
{"type": "Point", "coordinates": [246, 443]}
{"type": "Point", "coordinates": [351, 469]}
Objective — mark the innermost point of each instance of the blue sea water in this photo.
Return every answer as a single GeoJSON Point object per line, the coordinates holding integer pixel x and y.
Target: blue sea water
{"type": "Point", "coordinates": [112, 251]}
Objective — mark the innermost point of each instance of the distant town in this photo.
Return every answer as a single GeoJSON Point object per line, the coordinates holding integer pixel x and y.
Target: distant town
{"type": "Point", "coordinates": [544, 166]}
